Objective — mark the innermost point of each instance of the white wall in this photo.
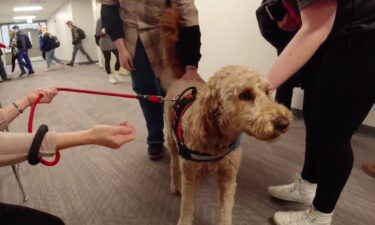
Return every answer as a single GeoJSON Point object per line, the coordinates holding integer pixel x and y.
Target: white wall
{"type": "Point", "coordinates": [82, 15]}
{"type": "Point", "coordinates": [56, 25]}
{"type": "Point", "coordinates": [230, 35]}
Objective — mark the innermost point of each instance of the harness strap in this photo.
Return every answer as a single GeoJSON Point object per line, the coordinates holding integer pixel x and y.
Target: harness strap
{"type": "Point", "coordinates": [181, 105]}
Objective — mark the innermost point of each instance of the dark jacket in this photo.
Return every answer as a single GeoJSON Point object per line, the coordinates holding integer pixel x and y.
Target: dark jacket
{"type": "Point", "coordinates": [47, 43]}
{"type": "Point", "coordinates": [23, 41]}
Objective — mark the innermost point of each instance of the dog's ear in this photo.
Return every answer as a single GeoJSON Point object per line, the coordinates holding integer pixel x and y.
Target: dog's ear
{"type": "Point", "coordinates": [210, 111]}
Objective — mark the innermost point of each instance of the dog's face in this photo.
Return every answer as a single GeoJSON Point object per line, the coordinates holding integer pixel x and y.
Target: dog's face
{"type": "Point", "coordinates": [237, 97]}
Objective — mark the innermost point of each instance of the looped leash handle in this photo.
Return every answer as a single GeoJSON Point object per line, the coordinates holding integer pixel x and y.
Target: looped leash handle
{"type": "Point", "coordinates": [151, 98]}
{"type": "Point", "coordinates": [30, 130]}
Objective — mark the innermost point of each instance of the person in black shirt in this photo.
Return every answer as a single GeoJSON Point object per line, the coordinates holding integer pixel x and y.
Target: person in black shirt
{"type": "Point", "coordinates": [339, 36]}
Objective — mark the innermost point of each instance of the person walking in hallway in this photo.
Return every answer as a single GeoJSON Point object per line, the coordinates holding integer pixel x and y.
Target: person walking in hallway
{"type": "Point", "coordinates": [23, 45]}
{"type": "Point", "coordinates": [49, 43]}
{"type": "Point", "coordinates": [14, 50]}
{"type": "Point", "coordinates": [77, 36]}
{"type": "Point", "coordinates": [107, 46]}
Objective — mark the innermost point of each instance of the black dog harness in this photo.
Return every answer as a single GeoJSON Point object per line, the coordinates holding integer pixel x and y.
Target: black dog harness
{"type": "Point", "coordinates": [183, 102]}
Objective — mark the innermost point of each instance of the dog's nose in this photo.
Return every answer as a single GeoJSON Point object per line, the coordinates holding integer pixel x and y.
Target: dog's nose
{"type": "Point", "coordinates": [281, 124]}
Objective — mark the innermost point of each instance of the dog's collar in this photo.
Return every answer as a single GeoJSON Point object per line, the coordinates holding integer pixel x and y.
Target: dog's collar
{"type": "Point", "coordinates": [183, 102]}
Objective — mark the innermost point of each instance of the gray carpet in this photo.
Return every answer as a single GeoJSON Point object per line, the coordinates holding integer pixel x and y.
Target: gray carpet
{"type": "Point", "coordinates": [97, 186]}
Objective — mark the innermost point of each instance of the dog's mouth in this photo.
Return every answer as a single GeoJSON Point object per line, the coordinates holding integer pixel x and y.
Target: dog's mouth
{"type": "Point", "coordinates": [269, 131]}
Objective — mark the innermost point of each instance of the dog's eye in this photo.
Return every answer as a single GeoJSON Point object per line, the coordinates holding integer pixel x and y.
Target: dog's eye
{"type": "Point", "coordinates": [247, 96]}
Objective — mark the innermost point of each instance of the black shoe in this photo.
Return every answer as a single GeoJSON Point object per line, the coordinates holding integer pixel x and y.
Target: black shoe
{"type": "Point", "coordinates": [70, 64]}
{"type": "Point", "coordinates": [155, 151]}
{"type": "Point", "coordinates": [31, 73]}
{"type": "Point", "coordinates": [90, 62]}
{"type": "Point", "coordinates": [22, 73]}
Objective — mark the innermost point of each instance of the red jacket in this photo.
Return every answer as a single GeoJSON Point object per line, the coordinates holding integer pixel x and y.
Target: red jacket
{"type": "Point", "coordinates": [2, 45]}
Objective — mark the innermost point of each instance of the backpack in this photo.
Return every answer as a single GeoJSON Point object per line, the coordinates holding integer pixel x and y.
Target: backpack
{"type": "Point", "coordinates": [28, 42]}
{"type": "Point", "coordinates": [55, 42]}
{"type": "Point", "coordinates": [81, 34]}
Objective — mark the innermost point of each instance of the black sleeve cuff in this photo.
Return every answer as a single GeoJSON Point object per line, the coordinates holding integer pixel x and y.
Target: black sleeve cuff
{"type": "Point", "coordinates": [189, 45]}
{"type": "Point", "coordinates": [112, 21]}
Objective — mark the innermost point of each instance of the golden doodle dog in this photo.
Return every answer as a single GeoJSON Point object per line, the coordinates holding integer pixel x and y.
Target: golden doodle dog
{"type": "Point", "coordinates": [233, 102]}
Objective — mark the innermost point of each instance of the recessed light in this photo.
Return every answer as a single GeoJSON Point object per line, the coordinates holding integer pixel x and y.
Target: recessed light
{"type": "Point", "coordinates": [23, 17]}
{"type": "Point", "coordinates": [27, 8]}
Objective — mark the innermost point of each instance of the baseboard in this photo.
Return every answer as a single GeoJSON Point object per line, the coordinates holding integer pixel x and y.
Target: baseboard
{"type": "Point", "coordinates": [363, 129]}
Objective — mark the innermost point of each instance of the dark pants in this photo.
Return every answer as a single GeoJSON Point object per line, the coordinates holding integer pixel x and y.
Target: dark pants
{"type": "Point", "coordinates": [145, 83]}
{"type": "Point", "coordinates": [14, 58]}
{"type": "Point", "coordinates": [19, 215]}
{"type": "Point", "coordinates": [339, 98]}
{"type": "Point", "coordinates": [79, 47]}
{"type": "Point", "coordinates": [284, 93]}
{"type": "Point", "coordinates": [107, 60]}
{"type": "Point", "coordinates": [3, 73]}
{"type": "Point", "coordinates": [24, 60]}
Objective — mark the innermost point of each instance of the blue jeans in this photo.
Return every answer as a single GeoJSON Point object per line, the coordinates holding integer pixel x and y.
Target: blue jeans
{"type": "Point", "coordinates": [146, 83]}
{"type": "Point", "coordinates": [24, 60]}
{"type": "Point", "coordinates": [50, 57]}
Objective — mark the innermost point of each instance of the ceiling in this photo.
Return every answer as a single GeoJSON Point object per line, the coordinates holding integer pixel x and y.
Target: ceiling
{"type": "Point", "coordinates": [49, 7]}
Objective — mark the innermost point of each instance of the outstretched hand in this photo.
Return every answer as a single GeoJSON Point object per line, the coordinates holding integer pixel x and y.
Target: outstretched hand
{"type": "Point", "coordinates": [113, 136]}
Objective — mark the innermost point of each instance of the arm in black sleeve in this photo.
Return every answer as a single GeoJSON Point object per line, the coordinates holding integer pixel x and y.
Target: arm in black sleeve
{"type": "Point", "coordinates": [112, 21]}
{"type": "Point", "coordinates": [189, 45]}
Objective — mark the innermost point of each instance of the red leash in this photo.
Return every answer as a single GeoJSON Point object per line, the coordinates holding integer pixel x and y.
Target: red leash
{"type": "Point", "coordinates": [151, 98]}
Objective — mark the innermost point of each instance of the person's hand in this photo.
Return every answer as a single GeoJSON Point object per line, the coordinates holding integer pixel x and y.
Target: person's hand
{"type": "Point", "coordinates": [48, 95]}
{"type": "Point", "coordinates": [103, 31]}
{"type": "Point", "coordinates": [192, 74]}
{"type": "Point", "coordinates": [288, 23]}
{"type": "Point", "coordinates": [126, 60]}
{"type": "Point", "coordinates": [112, 136]}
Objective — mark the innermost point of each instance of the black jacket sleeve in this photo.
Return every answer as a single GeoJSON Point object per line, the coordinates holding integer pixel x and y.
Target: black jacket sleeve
{"type": "Point", "coordinates": [189, 45]}
{"type": "Point", "coordinates": [112, 21]}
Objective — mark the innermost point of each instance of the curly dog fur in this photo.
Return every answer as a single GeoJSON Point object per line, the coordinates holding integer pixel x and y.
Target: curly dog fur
{"type": "Point", "coordinates": [232, 102]}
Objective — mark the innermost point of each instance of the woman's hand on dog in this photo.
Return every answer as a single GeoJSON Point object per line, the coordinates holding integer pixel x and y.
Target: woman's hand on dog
{"type": "Point", "coordinates": [192, 74]}
{"type": "Point", "coordinates": [48, 94]}
{"type": "Point", "coordinates": [112, 136]}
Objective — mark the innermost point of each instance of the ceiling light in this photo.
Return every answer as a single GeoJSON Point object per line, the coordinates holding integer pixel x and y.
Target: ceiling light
{"type": "Point", "coordinates": [27, 8]}
{"type": "Point", "coordinates": [23, 17]}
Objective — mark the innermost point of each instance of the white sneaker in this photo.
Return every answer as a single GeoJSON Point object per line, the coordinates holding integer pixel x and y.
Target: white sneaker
{"type": "Point", "coordinates": [117, 76]}
{"type": "Point", "coordinates": [310, 216]}
{"type": "Point", "coordinates": [300, 191]}
{"type": "Point", "coordinates": [112, 79]}
{"type": "Point", "coordinates": [127, 73]}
